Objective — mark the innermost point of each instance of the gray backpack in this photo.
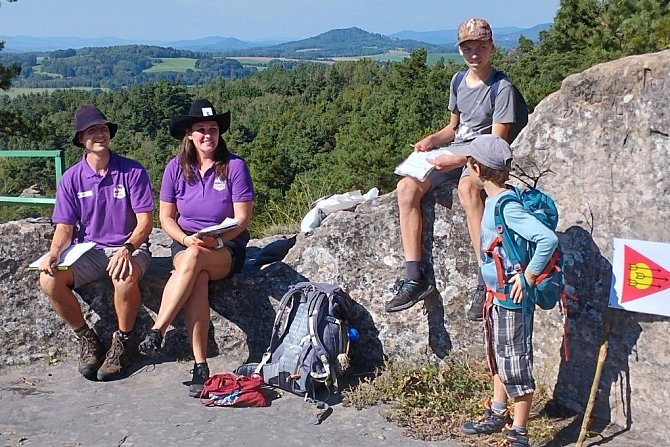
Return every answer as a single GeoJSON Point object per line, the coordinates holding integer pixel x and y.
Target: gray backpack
{"type": "Point", "coordinates": [309, 345]}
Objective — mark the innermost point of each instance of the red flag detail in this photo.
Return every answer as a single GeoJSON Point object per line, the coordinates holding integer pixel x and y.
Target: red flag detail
{"type": "Point", "coordinates": [642, 276]}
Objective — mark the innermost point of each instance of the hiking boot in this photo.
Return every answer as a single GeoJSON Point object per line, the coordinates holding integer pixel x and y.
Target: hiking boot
{"type": "Point", "coordinates": [475, 311]}
{"type": "Point", "coordinates": [90, 354]}
{"type": "Point", "coordinates": [200, 376]}
{"type": "Point", "coordinates": [408, 292]}
{"type": "Point", "coordinates": [151, 345]}
{"type": "Point", "coordinates": [119, 356]}
{"type": "Point", "coordinates": [490, 422]}
{"type": "Point", "coordinates": [514, 439]}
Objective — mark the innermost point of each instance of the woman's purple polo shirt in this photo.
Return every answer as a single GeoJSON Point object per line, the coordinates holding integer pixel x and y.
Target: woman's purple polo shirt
{"type": "Point", "coordinates": [103, 206]}
{"type": "Point", "coordinates": [207, 200]}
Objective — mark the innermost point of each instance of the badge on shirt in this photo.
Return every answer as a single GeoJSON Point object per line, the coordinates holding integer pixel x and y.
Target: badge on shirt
{"type": "Point", "coordinates": [119, 192]}
{"type": "Point", "coordinates": [82, 194]}
{"type": "Point", "coordinates": [219, 185]}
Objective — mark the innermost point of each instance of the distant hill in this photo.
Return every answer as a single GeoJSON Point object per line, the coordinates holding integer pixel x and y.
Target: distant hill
{"type": "Point", "coordinates": [510, 40]}
{"type": "Point", "coordinates": [339, 42]}
{"type": "Point", "coordinates": [28, 44]}
{"type": "Point", "coordinates": [211, 44]}
{"type": "Point", "coordinates": [506, 37]}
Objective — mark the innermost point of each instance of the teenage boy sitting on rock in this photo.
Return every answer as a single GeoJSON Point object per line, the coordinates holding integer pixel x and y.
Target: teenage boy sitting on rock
{"type": "Point", "coordinates": [472, 114]}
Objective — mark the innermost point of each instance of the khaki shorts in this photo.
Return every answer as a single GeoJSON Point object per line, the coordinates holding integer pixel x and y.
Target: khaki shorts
{"type": "Point", "coordinates": [92, 265]}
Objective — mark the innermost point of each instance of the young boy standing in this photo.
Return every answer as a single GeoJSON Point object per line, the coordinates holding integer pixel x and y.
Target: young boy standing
{"type": "Point", "coordinates": [509, 317]}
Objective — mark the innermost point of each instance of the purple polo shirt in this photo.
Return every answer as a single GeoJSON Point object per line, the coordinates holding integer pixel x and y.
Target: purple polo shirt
{"type": "Point", "coordinates": [209, 199]}
{"type": "Point", "coordinates": [104, 207]}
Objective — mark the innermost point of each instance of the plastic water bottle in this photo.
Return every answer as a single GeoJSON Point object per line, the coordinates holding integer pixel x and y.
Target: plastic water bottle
{"type": "Point", "coordinates": [353, 334]}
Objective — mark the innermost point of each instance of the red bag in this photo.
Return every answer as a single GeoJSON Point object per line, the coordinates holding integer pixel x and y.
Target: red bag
{"type": "Point", "coordinates": [231, 390]}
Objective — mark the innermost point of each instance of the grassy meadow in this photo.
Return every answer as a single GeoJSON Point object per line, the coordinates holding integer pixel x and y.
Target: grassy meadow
{"type": "Point", "coordinates": [176, 64]}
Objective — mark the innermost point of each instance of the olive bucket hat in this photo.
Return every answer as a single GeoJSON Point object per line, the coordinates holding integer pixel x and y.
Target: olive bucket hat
{"type": "Point", "coordinates": [89, 115]}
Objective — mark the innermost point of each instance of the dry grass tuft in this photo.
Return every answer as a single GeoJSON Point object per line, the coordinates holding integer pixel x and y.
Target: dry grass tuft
{"type": "Point", "coordinates": [432, 401]}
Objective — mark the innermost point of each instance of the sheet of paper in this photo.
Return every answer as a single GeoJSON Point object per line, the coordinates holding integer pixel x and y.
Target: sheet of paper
{"type": "Point", "coordinates": [214, 230]}
{"type": "Point", "coordinates": [417, 165]}
{"type": "Point", "coordinates": [67, 258]}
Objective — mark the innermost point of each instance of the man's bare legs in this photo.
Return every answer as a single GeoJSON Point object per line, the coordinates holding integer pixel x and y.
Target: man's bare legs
{"type": "Point", "coordinates": [62, 300]}
{"type": "Point", "coordinates": [58, 289]}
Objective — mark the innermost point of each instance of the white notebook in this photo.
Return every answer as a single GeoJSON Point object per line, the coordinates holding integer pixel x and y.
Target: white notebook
{"type": "Point", "coordinates": [67, 258]}
{"type": "Point", "coordinates": [215, 230]}
{"type": "Point", "coordinates": [417, 166]}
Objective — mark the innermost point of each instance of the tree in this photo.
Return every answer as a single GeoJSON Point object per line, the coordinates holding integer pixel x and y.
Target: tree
{"type": "Point", "coordinates": [7, 73]}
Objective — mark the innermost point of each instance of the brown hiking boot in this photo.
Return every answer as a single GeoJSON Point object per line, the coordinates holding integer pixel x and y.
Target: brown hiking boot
{"type": "Point", "coordinates": [90, 354]}
{"type": "Point", "coordinates": [119, 356]}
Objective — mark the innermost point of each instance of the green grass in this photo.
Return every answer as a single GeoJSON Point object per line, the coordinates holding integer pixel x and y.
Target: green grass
{"type": "Point", "coordinates": [176, 64]}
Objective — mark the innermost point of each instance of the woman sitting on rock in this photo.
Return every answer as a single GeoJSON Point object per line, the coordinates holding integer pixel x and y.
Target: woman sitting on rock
{"type": "Point", "coordinates": [203, 185]}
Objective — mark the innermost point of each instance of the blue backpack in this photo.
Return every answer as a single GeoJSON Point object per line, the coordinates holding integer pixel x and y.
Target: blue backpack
{"type": "Point", "coordinates": [550, 284]}
{"type": "Point", "coordinates": [309, 347]}
{"type": "Point", "coordinates": [520, 109]}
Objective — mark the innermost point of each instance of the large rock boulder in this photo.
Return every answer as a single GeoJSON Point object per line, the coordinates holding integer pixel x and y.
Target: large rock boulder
{"type": "Point", "coordinates": [597, 141]}
{"type": "Point", "coordinates": [600, 146]}
{"type": "Point", "coordinates": [358, 250]}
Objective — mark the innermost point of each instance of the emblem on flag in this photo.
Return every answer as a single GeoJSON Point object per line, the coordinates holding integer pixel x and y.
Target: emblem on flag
{"type": "Point", "coordinates": [641, 281]}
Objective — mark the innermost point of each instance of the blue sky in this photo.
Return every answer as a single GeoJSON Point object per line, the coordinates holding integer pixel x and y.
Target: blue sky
{"type": "Point", "coordinates": [256, 19]}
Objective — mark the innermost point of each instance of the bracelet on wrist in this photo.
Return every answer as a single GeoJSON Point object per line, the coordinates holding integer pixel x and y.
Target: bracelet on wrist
{"type": "Point", "coordinates": [183, 240]}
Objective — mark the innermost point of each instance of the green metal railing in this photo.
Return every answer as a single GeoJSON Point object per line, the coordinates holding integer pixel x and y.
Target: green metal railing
{"type": "Point", "coordinates": [58, 163]}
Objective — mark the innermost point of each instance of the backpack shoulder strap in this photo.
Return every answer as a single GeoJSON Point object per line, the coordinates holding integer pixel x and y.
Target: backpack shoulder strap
{"type": "Point", "coordinates": [459, 79]}
{"type": "Point", "coordinates": [504, 231]}
{"type": "Point", "coordinates": [316, 306]}
{"type": "Point", "coordinates": [495, 85]}
{"type": "Point", "coordinates": [281, 323]}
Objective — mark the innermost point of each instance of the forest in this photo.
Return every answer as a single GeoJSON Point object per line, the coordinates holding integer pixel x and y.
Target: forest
{"type": "Point", "coordinates": [311, 130]}
{"type": "Point", "coordinates": [117, 67]}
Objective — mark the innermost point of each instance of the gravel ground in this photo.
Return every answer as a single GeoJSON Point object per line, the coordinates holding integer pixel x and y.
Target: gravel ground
{"type": "Point", "coordinates": [52, 405]}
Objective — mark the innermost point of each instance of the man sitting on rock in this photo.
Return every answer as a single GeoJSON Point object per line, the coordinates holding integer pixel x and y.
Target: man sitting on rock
{"type": "Point", "coordinates": [105, 199]}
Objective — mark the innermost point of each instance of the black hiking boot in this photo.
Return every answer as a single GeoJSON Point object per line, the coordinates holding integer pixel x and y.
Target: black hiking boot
{"type": "Point", "coordinates": [200, 376]}
{"type": "Point", "coordinates": [119, 356]}
{"type": "Point", "coordinates": [91, 354]}
{"type": "Point", "coordinates": [489, 422]}
{"type": "Point", "coordinates": [515, 439]}
{"type": "Point", "coordinates": [151, 345]}
{"type": "Point", "coordinates": [475, 311]}
{"type": "Point", "coordinates": [408, 292]}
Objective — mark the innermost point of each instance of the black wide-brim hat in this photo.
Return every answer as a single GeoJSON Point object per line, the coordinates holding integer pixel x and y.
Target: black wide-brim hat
{"type": "Point", "coordinates": [89, 115]}
{"type": "Point", "coordinates": [201, 110]}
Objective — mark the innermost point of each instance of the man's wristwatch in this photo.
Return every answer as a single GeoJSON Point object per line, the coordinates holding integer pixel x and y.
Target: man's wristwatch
{"type": "Point", "coordinates": [130, 247]}
{"type": "Point", "coordinates": [219, 243]}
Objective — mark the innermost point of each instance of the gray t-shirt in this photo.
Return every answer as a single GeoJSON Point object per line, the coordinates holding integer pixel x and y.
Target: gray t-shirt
{"type": "Point", "coordinates": [474, 106]}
